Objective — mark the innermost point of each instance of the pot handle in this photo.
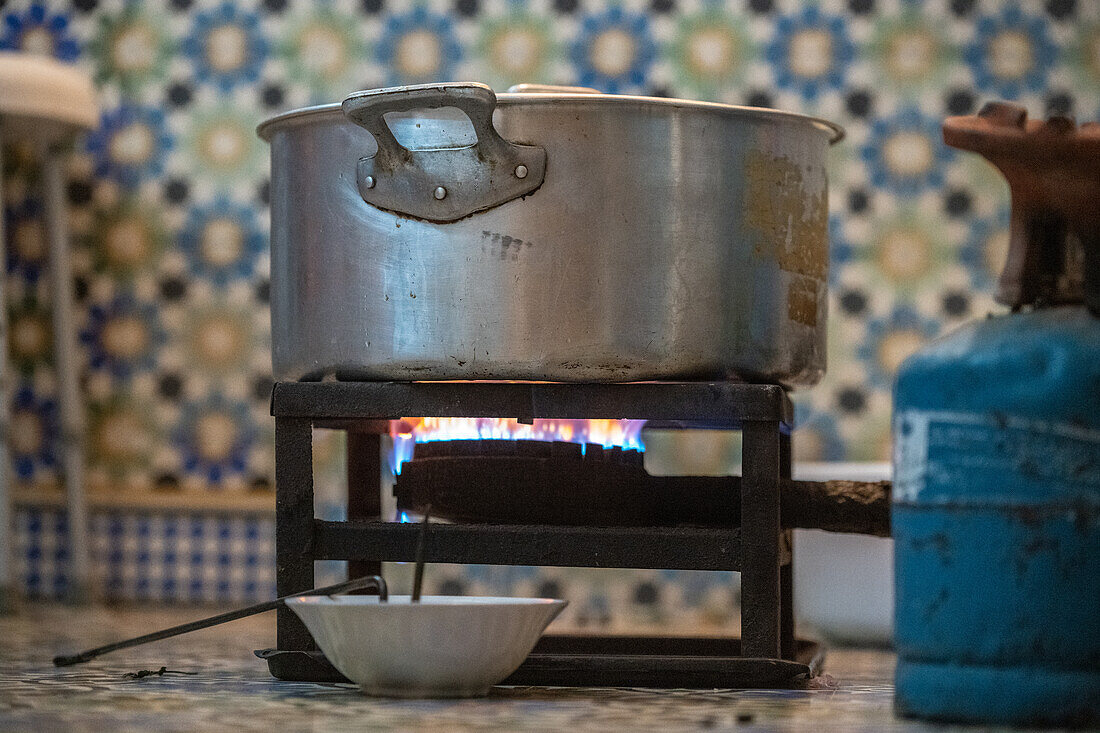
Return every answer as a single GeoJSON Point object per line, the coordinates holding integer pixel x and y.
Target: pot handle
{"type": "Point", "coordinates": [445, 184]}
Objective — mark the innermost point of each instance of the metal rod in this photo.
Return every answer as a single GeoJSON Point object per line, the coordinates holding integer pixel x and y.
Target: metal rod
{"type": "Point", "coordinates": [692, 401]}
{"type": "Point", "coordinates": [421, 544]}
{"type": "Point", "coordinates": [65, 362]}
{"type": "Point", "coordinates": [512, 489]}
{"type": "Point", "coordinates": [787, 638]}
{"type": "Point", "coordinates": [7, 510]}
{"type": "Point", "coordinates": [668, 548]}
{"type": "Point", "coordinates": [364, 477]}
{"type": "Point", "coordinates": [221, 618]}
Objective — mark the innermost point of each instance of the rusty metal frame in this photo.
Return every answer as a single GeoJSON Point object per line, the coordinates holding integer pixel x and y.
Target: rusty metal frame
{"type": "Point", "coordinates": [760, 548]}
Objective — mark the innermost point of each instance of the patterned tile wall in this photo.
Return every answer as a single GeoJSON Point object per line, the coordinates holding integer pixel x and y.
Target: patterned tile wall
{"type": "Point", "coordinates": [152, 557]}
{"type": "Point", "coordinates": [169, 196]}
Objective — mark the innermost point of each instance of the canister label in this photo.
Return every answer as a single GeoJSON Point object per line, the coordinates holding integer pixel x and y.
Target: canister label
{"type": "Point", "coordinates": [957, 457]}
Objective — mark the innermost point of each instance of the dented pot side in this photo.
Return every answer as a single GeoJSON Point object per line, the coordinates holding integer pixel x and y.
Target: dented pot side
{"type": "Point", "coordinates": [664, 242]}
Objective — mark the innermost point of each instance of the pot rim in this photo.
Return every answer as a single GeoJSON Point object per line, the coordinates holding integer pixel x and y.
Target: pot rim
{"type": "Point", "coordinates": [266, 128]}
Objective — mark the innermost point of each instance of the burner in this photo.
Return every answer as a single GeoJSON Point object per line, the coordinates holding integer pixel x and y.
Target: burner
{"type": "Point", "coordinates": [526, 482]}
{"type": "Point", "coordinates": [588, 453]}
{"type": "Point", "coordinates": [545, 533]}
{"type": "Point", "coordinates": [555, 483]}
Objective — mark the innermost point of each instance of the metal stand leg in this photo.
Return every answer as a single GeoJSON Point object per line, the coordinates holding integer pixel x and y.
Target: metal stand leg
{"type": "Point", "coordinates": [364, 490]}
{"type": "Point", "coordinates": [68, 386]}
{"type": "Point", "coordinates": [760, 585]}
{"type": "Point", "coordinates": [787, 642]}
{"type": "Point", "coordinates": [7, 536]}
{"type": "Point", "coordinates": [786, 572]}
{"type": "Point", "coordinates": [293, 524]}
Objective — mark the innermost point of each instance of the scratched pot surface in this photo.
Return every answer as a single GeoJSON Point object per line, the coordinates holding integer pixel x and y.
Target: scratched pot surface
{"type": "Point", "coordinates": [665, 241]}
{"type": "Point", "coordinates": [232, 690]}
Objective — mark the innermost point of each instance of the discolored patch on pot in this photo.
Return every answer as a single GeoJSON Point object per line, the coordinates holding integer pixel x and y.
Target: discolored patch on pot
{"type": "Point", "coordinates": [802, 301]}
{"type": "Point", "coordinates": [502, 246]}
{"type": "Point", "coordinates": [791, 220]}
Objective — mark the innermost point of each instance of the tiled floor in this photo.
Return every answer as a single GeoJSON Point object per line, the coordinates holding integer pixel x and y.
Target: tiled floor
{"type": "Point", "coordinates": [231, 689]}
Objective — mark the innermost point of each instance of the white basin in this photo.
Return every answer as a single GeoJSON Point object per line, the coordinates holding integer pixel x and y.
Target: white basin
{"type": "Point", "coordinates": [443, 646]}
{"type": "Point", "coordinates": [844, 583]}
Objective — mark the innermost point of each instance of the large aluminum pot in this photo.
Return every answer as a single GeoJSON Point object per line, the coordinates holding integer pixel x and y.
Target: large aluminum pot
{"type": "Point", "coordinates": [444, 232]}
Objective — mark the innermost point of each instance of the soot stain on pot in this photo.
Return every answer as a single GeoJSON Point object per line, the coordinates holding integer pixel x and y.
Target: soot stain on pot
{"type": "Point", "coordinates": [503, 246]}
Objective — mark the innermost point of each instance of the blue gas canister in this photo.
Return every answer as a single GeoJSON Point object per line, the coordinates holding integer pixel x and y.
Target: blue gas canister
{"type": "Point", "coordinates": [996, 516]}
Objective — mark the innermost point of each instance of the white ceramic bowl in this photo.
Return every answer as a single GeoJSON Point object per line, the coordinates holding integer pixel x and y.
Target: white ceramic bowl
{"type": "Point", "coordinates": [844, 583]}
{"type": "Point", "coordinates": [443, 646]}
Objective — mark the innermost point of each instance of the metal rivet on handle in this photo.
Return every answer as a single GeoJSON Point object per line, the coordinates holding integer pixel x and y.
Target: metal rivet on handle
{"type": "Point", "coordinates": [369, 181]}
{"type": "Point", "coordinates": [440, 193]}
{"type": "Point", "coordinates": [521, 171]}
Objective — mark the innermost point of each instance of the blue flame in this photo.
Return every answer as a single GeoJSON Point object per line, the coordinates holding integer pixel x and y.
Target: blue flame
{"type": "Point", "coordinates": [626, 434]}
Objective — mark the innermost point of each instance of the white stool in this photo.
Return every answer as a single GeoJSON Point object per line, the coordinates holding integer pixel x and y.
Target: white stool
{"type": "Point", "coordinates": [48, 102]}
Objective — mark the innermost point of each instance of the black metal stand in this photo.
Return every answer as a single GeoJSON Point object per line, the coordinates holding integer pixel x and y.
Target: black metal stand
{"type": "Point", "coordinates": [767, 654]}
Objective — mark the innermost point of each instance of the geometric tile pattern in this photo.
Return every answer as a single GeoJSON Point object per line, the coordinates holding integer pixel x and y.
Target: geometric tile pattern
{"type": "Point", "coordinates": [169, 196]}
{"type": "Point", "coordinates": [161, 557]}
